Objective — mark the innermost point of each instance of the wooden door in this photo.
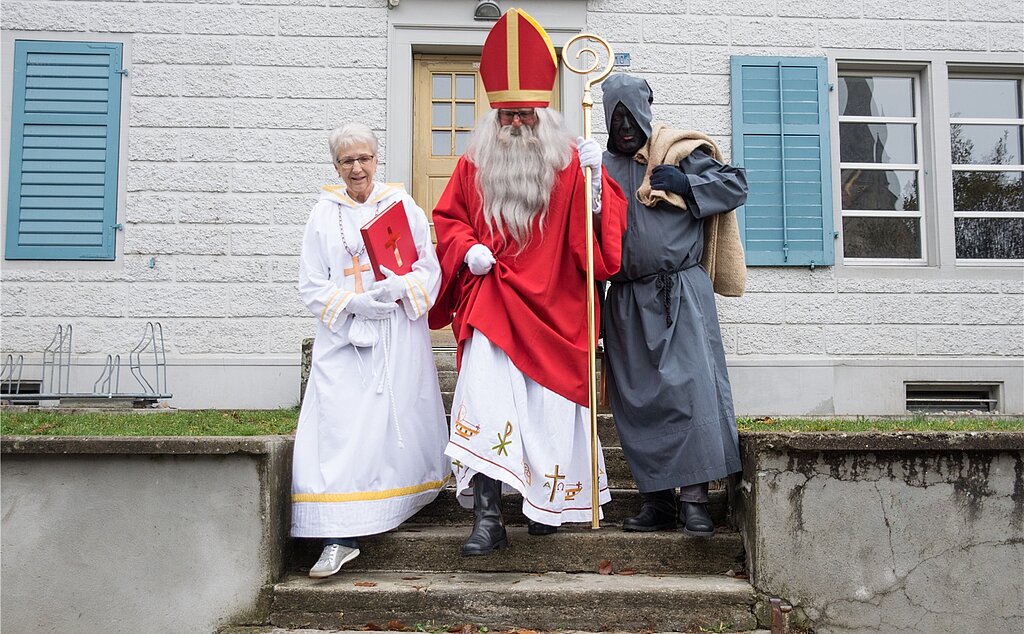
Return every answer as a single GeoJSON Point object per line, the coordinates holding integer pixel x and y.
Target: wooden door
{"type": "Point", "coordinates": [449, 97]}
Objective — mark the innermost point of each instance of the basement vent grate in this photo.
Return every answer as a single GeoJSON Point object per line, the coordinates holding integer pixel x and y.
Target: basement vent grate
{"type": "Point", "coordinates": [953, 397]}
{"type": "Point", "coordinates": [21, 387]}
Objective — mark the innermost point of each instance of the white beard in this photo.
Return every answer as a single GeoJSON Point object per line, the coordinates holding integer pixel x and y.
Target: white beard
{"type": "Point", "coordinates": [516, 169]}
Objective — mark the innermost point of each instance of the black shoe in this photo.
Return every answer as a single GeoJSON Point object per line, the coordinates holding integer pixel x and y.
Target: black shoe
{"type": "Point", "coordinates": [488, 531]}
{"type": "Point", "coordinates": [696, 519]}
{"type": "Point", "coordinates": [536, 528]}
{"type": "Point", "coordinates": [657, 513]}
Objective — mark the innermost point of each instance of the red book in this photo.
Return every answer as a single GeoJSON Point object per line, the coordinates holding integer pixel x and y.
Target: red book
{"type": "Point", "coordinates": [389, 241]}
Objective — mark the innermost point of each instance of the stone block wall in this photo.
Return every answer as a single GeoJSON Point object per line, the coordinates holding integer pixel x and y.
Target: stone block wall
{"type": "Point", "coordinates": [229, 105]}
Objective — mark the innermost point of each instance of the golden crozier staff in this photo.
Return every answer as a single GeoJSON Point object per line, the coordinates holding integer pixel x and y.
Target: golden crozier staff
{"type": "Point", "coordinates": [588, 104]}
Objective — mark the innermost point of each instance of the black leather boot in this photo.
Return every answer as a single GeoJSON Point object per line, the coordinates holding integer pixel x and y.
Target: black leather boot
{"type": "Point", "coordinates": [536, 528]}
{"type": "Point", "coordinates": [696, 519]}
{"type": "Point", "coordinates": [488, 531]}
{"type": "Point", "coordinates": [658, 512]}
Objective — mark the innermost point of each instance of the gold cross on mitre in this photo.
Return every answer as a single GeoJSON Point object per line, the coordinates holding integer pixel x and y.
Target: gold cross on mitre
{"type": "Point", "coordinates": [357, 272]}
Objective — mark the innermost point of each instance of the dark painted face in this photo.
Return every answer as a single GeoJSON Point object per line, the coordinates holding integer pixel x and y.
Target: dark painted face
{"type": "Point", "coordinates": [625, 135]}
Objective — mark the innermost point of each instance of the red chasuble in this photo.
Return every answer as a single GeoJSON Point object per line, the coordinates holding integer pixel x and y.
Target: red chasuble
{"type": "Point", "coordinates": [533, 304]}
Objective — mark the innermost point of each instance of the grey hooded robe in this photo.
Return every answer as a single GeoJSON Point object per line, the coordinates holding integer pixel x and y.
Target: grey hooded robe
{"type": "Point", "coordinates": [667, 380]}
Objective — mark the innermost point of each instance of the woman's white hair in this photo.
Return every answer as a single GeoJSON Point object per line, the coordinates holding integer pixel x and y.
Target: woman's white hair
{"type": "Point", "coordinates": [516, 169]}
{"type": "Point", "coordinates": [348, 135]}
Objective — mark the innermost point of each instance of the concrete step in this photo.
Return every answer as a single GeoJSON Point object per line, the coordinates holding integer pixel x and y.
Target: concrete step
{"type": "Point", "coordinates": [506, 601]}
{"type": "Point", "coordinates": [445, 509]}
{"type": "Point", "coordinates": [424, 627]}
{"type": "Point", "coordinates": [576, 548]}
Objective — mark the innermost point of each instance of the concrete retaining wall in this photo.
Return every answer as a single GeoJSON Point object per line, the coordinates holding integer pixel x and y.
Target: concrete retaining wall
{"type": "Point", "coordinates": [141, 534]}
{"type": "Point", "coordinates": [887, 532]}
{"type": "Point", "coordinates": [861, 532]}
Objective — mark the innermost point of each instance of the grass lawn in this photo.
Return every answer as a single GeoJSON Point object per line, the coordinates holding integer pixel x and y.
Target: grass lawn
{"type": "Point", "coordinates": [283, 421]}
{"type": "Point", "coordinates": [862, 424]}
{"type": "Point", "coordinates": [152, 423]}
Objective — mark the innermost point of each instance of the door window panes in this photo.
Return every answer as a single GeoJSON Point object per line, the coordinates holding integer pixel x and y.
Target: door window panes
{"type": "Point", "coordinates": [880, 168]}
{"type": "Point", "coordinates": [986, 133]}
{"type": "Point", "coordinates": [441, 86]}
{"type": "Point", "coordinates": [452, 112]}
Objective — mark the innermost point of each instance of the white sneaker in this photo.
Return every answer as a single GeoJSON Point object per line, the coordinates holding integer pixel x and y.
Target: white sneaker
{"type": "Point", "coordinates": [332, 559]}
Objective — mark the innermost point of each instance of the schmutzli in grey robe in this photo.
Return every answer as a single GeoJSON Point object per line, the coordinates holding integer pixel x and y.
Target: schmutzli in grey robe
{"type": "Point", "coordinates": [667, 380]}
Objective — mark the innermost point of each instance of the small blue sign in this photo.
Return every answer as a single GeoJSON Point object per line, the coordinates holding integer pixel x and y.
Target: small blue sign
{"type": "Point", "coordinates": [621, 59]}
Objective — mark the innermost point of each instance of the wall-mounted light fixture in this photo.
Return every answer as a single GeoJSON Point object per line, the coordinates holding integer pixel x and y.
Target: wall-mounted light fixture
{"type": "Point", "coordinates": [487, 10]}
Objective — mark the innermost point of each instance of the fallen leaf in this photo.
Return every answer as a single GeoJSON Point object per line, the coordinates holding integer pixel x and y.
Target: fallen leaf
{"type": "Point", "coordinates": [397, 626]}
{"type": "Point", "coordinates": [372, 627]}
{"type": "Point", "coordinates": [742, 575]}
{"type": "Point", "coordinates": [466, 628]}
{"type": "Point", "coordinates": [626, 571]}
{"type": "Point", "coordinates": [605, 567]}
{"type": "Point", "coordinates": [411, 578]}
{"type": "Point", "coordinates": [527, 632]}
{"type": "Point", "coordinates": [366, 584]}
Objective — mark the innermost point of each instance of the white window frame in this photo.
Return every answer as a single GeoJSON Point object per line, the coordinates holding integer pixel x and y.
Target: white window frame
{"type": "Point", "coordinates": [918, 167]}
{"type": "Point", "coordinates": [934, 68]}
{"type": "Point", "coordinates": [955, 73]}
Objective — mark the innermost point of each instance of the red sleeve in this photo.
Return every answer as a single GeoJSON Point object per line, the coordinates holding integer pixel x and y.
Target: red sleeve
{"type": "Point", "coordinates": [609, 227]}
{"type": "Point", "coordinates": [455, 235]}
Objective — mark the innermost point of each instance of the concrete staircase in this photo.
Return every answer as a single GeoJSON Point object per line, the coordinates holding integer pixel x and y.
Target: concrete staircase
{"type": "Point", "coordinates": [576, 579]}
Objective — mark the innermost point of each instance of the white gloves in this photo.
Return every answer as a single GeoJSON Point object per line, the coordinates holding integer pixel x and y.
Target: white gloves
{"type": "Point", "coordinates": [371, 305]}
{"type": "Point", "coordinates": [392, 287]}
{"type": "Point", "coordinates": [480, 259]}
{"type": "Point", "coordinates": [590, 156]}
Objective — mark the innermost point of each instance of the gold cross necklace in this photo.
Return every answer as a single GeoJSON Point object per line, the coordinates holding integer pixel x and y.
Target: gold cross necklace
{"type": "Point", "coordinates": [356, 271]}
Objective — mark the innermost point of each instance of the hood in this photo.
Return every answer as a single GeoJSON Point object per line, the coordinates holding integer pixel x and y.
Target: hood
{"type": "Point", "coordinates": [338, 193]}
{"type": "Point", "coordinates": [632, 92]}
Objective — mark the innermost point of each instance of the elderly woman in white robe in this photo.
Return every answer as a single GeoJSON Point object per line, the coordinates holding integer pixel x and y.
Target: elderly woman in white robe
{"type": "Point", "coordinates": [369, 449]}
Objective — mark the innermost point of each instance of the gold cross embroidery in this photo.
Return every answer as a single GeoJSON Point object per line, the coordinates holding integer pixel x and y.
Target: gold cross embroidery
{"type": "Point", "coordinates": [392, 243]}
{"type": "Point", "coordinates": [357, 272]}
{"type": "Point", "coordinates": [503, 441]}
{"type": "Point", "coordinates": [555, 477]}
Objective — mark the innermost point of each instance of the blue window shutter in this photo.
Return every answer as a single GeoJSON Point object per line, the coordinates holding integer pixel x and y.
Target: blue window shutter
{"type": "Point", "coordinates": [65, 120]}
{"type": "Point", "coordinates": [780, 131]}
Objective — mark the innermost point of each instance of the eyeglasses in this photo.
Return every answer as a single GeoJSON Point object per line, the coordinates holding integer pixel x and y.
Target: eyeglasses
{"type": "Point", "coordinates": [349, 163]}
{"type": "Point", "coordinates": [508, 116]}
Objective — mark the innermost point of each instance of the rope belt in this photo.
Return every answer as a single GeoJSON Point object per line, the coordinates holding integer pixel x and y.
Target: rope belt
{"type": "Point", "coordinates": [664, 281]}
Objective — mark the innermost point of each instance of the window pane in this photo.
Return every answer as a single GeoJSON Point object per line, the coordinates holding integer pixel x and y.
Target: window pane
{"type": "Point", "coordinates": [465, 87]}
{"type": "Point", "coordinates": [876, 96]}
{"type": "Point", "coordinates": [465, 115]}
{"type": "Point", "coordinates": [985, 144]}
{"type": "Point", "coordinates": [881, 238]}
{"type": "Point", "coordinates": [990, 238]}
{"type": "Point", "coordinates": [441, 143]}
{"type": "Point", "coordinates": [461, 142]}
{"type": "Point", "coordinates": [988, 191]}
{"type": "Point", "coordinates": [441, 115]}
{"type": "Point", "coordinates": [883, 190]}
{"type": "Point", "coordinates": [988, 98]}
{"type": "Point", "coordinates": [877, 143]}
{"type": "Point", "coordinates": [442, 86]}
